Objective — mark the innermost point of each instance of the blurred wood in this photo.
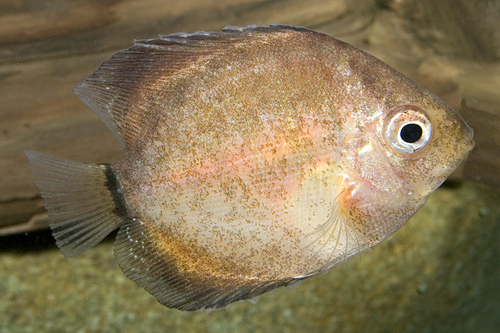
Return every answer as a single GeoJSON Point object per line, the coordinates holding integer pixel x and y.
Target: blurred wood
{"type": "Point", "coordinates": [55, 28]}
{"type": "Point", "coordinates": [47, 47]}
{"type": "Point", "coordinates": [455, 28]}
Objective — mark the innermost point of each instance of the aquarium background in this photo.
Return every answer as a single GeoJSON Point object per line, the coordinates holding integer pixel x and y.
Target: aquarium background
{"type": "Point", "coordinates": [439, 273]}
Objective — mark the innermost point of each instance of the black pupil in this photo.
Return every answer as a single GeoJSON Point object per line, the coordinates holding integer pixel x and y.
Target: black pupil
{"type": "Point", "coordinates": [411, 133]}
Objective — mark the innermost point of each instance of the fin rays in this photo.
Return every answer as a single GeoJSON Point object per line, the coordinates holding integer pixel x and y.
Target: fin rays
{"type": "Point", "coordinates": [80, 206]}
{"type": "Point", "coordinates": [338, 227]}
{"type": "Point", "coordinates": [160, 272]}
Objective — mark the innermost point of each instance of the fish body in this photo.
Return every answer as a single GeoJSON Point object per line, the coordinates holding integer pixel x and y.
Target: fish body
{"type": "Point", "coordinates": [255, 157]}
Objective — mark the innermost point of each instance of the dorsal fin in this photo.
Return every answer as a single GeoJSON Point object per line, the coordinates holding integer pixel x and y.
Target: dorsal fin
{"type": "Point", "coordinates": [113, 89]}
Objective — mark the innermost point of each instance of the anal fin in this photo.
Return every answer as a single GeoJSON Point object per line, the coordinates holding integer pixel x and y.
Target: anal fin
{"type": "Point", "coordinates": [178, 279]}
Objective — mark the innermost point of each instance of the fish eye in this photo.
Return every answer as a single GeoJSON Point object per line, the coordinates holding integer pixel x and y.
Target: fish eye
{"type": "Point", "coordinates": [408, 130]}
{"type": "Point", "coordinates": [411, 133]}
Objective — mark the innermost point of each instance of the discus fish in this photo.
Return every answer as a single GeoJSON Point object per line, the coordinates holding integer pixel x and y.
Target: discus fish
{"type": "Point", "coordinates": [255, 157]}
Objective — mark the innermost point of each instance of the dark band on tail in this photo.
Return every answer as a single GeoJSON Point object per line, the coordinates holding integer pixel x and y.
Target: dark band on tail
{"type": "Point", "coordinates": [113, 185]}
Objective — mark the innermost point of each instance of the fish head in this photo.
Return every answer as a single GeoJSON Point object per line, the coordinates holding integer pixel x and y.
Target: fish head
{"type": "Point", "coordinates": [424, 142]}
{"type": "Point", "coordinates": [397, 158]}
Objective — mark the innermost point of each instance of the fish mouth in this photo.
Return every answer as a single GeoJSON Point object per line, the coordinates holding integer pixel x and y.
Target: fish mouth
{"type": "Point", "coordinates": [465, 143]}
{"type": "Point", "coordinates": [463, 147]}
{"type": "Point", "coordinates": [470, 144]}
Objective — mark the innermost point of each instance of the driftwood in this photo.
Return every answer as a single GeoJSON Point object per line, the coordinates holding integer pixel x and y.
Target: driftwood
{"type": "Point", "coordinates": [45, 51]}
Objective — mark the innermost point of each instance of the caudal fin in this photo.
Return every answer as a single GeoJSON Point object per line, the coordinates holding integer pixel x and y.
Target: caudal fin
{"type": "Point", "coordinates": [78, 197]}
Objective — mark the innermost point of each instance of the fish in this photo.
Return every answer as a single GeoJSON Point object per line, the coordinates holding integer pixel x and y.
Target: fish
{"type": "Point", "coordinates": [255, 157]}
